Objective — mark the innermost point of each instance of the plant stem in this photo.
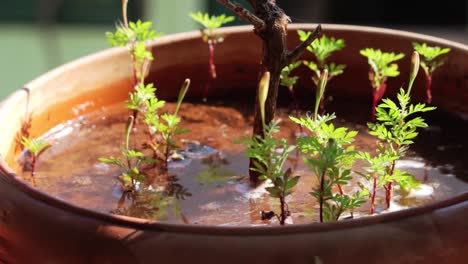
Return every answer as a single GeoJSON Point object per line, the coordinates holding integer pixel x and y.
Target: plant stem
{"type": "Point", "coordinates": [377, 96]}
{"type": "Point", "coordinates": [340, 189]}
{"type": "Point", "coordinates": [166, 156]}
{"type": "Point", "coordinates": [321, 200]}
{"type": "Point", "coordinates": [284, 213]}
{"type": "Point", "coordinates": [429, 88]}
{"type": "Point", "coordinates": [33, 166]}
{"type": "Point", "coordinates": [211, 48]}
{"type": "Point", "coordinates": [374, 191]}
{"type": "Point", "coordinates": [389, 188]}
{"type": "Point", "coordinates": [211, 67]}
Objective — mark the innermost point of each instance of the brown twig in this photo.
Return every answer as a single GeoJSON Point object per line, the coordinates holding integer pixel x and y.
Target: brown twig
{"type": "Point", "coordinates": [300, 49]}
{"type": "Point", "coordinates": [243, 13]}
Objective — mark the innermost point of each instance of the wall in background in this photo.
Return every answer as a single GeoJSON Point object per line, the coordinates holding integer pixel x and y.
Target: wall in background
{"type": "Point", "coordinates": [39, 35]}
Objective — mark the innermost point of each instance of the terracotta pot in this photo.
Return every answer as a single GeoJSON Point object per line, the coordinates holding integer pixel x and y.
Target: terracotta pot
{"type": "Point", "coordinates": [37, 228]}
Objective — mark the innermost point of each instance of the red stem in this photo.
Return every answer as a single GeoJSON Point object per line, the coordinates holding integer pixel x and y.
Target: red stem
{"type": "Point", "coordinates": [429, 88]}
{"type": "Point", "coordinates": [33, 166]}
{"type": "Point", "coordinates": [374, 191]}
{"type": "Point", "coordinates": [389, 188]}
{"type": "Point", "coordinates": [377, 96]}
{"type": "Point", "coordinates": [211, 66]}
{"type": "Point", "coordinates": [211, 47]}
{"type": "Point", "coordinates": [340, 189]}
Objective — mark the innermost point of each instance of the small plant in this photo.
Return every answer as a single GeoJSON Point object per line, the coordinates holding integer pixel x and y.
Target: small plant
{"type": "Point", "coordinates": [382, 67]}
{"type": "Point", "coordinates": [161, 128]}
{"type": "Point", "coordinates": [210, 24]}
{"type": "Point", "coordinates": [289, 81]}
{"type": "Point", "coordinates": [330, 158]}
{"type": "Point", "coordinates": [132, 176]}
{"type": "Point", "coordinates": [36, 147]}
{"type": "Point", "coordinates": [133, 36]}
{"type": "Point", "coordinates": [269, 163]}
{"type": "Point", "coordinates": [430, 62]}
{"type": "Point", "coordinates": [322, 49]}
{"type": "Point", "coordinates": [396, 129]}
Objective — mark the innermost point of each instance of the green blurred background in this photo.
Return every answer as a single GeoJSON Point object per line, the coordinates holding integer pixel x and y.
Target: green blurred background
{"type": "Point", "coordinates": [39, 35]}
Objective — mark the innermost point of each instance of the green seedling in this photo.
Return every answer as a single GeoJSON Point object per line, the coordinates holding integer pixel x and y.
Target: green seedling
{"type": "Point", "coordinates": [396, 129]}
{"type": "Point", "coordinates": [133, 36]}
{"type": "Point", "coordinates": [382, 66]}
{"type": "Point", "coordinates": [289, 81]}
{"type": "Point", "coordinates": [210, 24]}
{"type": "Point", "coordinates": [36, 147]}
{"type": "Point", "coordinates": [132, 177]}
{"type": "Point", "coordinates": [330, 158]}
{"type": "Point", "coordinates": [270, 155]}
{"type": "Point", "coordinates": [430, 62]}
{"type": "Point", "coordinates": [161, 128]}
{"type": "Point", "coordinates": [322, 49]}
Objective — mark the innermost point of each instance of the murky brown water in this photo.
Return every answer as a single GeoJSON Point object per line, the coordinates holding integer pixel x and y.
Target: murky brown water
{"type": "Point", "coordinates": [210, 186]}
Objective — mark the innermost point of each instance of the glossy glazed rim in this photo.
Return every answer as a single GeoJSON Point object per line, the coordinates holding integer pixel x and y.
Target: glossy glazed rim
{"type": "Point", "coordinates": [13, 180]}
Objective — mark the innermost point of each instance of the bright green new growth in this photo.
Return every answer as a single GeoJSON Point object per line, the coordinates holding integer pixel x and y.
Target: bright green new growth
{"type": "Point", "coordinates": [131, 177]}
{"type": "Point", "coordinates": [382, 64]}
{"type": "Point", "coordinates": [36, 146]}
{"type": "Point", "coordinates": [323, 48]}
{"type": "Point", "coordinates": [212, 22]}
{"type": "Point", "coordinates": [134, 37]}
{"type": "Point", "coordinates": [430, 61]}
{"type": "Point", "coordinates": [396, 129]}
{"type": "Point", "coordinates": [331, 157]}
{"type": "Point", "coordinates": [136, 32]}
{"type": "Point", "coordinates": [161, 128]}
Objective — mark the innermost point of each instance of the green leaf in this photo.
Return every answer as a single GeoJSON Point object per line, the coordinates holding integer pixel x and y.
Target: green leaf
{"type": "Point", "coordinates": [382, 64]}
{"type": "Point", "coordinates": [292, 182]}
{"type": "Point", "coordinates": [211, 22]}
{"type": "Point", "coordinates": [322, 47]}
{"type": "Point", "coordinates": [35, 146]}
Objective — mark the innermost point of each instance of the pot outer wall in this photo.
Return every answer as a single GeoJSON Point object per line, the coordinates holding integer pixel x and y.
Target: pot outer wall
{"type": "Point", "coordinates": [36, 228]}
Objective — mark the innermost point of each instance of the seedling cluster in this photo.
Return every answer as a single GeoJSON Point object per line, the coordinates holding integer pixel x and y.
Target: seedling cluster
{"type": "Point", "coordinates": [327, 149]}
{"type": "Point", "coordinates": [161, 127]}
{"type": "Point", "coordinates": [330, 154]}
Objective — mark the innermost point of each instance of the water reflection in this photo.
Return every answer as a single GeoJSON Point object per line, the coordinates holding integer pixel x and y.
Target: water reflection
{"type": "Point", "coordinates": [215, 170]}
{"type": "Point", "coordinates": [158, 204]}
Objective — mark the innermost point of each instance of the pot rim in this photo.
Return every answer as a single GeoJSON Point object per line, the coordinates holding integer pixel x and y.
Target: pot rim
{"type": "Point", "coordinates": [15, 181]}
